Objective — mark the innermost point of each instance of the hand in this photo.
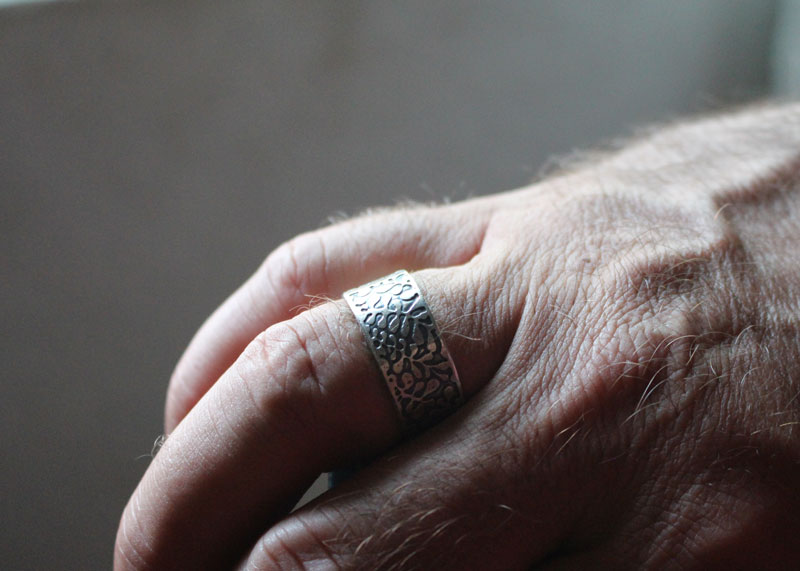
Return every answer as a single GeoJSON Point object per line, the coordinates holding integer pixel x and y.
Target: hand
{"type": "Point", "coordinates": [627, 334]}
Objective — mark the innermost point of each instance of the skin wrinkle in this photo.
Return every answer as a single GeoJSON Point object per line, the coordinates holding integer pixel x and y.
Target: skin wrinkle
{"type": "Point", "coordinates": [329, 555]}
{"type": "Point", "coordinates": [415, 214]}
{"type": "Point", "coordinates": [691, 330]}
{"type": "Point", "coordinates": [270, 347]}
{"type": "Point", "coordinates": [133, 551]}
{"type": "Point", "coordinates": [671, 342]}
{"type": "Point", "coordinates": [277, 277]}
{"type": "Point", "coordinates": [509, 458]}
{"type": "Point", "coordinates": [689, 516]}
{"type": "Point", "coordinates": [306, 355]}
{"type": "Point", "coordinates": [588, 362]}
{"type": "Point", "coordinates": [311, 361]}
{"type": "Point", "coordinates": [223, 422]}
{"type": "Point", "coordinates": [413, 524]}
{"type": "Point", "coordinates": [290, 278]}
{"type": "Point", "coordinates": [416, 534]}
{"type": "Point", "coordinates": [650, 505]}
{"type": "Point", "coordinates": [739, 334]}
{"type": "Point", "coordinates": [501, 465]}
{"type": "Point", "coordinates": [286, 550]}
{"type": "Point", "coordinates": [690, 471]}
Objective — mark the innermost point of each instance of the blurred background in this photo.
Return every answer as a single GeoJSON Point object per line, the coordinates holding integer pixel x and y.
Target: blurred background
{"type": "Point", "coordinates": [153, 152]}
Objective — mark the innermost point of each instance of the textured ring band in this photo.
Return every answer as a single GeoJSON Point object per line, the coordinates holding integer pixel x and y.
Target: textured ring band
{"type": "Point", "coordinates": [408, 347]}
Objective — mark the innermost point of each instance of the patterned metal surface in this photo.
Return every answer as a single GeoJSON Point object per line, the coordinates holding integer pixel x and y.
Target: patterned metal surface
{"type": "Point", "coordinates": [402, 335]}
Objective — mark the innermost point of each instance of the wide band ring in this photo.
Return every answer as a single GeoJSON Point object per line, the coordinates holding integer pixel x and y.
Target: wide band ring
{"type": "Point", "coordinates": [403, 337]}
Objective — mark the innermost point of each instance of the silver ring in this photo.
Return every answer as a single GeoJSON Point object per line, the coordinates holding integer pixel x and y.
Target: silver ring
{"type": "Point", "coordinates": [408, 347]}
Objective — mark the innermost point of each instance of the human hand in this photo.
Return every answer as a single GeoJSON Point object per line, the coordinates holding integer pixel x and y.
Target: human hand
{"type": "Point", "coordinates": [628, 338]}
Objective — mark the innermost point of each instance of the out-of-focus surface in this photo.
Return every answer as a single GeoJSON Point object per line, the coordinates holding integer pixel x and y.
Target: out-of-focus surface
{"type": "Point", "coordinates": [152, 153]}
{"type": "Point", "coordinates": [786, 56]}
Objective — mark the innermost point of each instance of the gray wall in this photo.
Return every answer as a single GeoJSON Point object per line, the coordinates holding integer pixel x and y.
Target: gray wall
{"type": "Point", "coordinates": [786, 50]}
{"type": "Point", "coordinates": [152, 153]}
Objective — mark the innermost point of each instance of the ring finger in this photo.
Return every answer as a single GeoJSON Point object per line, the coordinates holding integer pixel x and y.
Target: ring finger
{"type": "Point", "coordinates": [304, 397]}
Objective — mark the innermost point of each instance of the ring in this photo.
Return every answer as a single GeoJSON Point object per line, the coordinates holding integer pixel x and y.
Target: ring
{"type": "Point", "coordinates": [408, 347]}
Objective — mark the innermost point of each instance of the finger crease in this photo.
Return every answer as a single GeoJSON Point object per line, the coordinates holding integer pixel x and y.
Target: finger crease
{"type": "Point", "coordinates": [321, 543]}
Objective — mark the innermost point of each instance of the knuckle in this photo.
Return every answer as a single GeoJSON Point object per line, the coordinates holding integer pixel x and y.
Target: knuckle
{"type": "Point", "coordinates": [279, 370]}
{"type": "Point", "coordinates": [297, 547]}
{"type": "Point", "coordinates": [295, 265]}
